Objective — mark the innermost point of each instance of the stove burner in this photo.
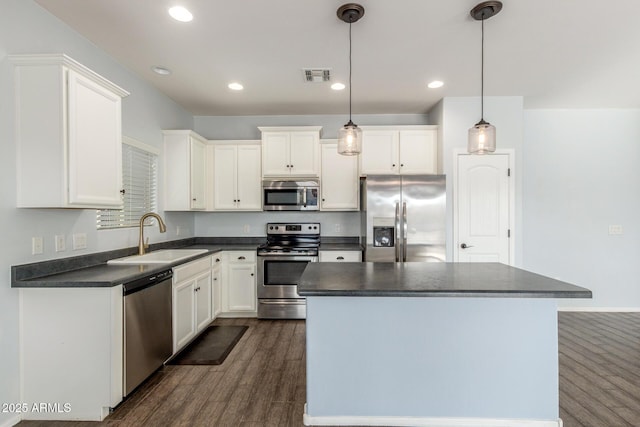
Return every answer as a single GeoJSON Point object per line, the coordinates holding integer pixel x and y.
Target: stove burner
{"type": "Point", "coordinates": [291, 239]}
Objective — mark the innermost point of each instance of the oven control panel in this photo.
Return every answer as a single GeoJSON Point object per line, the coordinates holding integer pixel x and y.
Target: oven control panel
{"type": "Point", "coordinates": [307, 228]}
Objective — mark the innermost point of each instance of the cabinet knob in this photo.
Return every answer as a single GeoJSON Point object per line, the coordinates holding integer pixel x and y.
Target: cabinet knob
{"type": "Point", "coordinates": [241, 257]}
{"type": "Point", "coordinates": [217, 259]}
{"type": "Point", "coordinates": [401, 165]}
{"type": "Point", "coordinates": [394, 165]}
{"type": "Point", "coordinates": [252, 274]}
{"type": "Point", "coordinates": [340, 257]}
{"type": "Point", "coordinates": [194, 199]}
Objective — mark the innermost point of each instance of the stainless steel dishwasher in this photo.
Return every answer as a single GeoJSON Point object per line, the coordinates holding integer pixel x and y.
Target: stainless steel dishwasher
{"type": "Point", "coordinates": [147, 327]}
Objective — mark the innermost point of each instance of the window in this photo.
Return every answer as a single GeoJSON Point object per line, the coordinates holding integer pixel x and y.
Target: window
{"type": "Point", "coordinates": [140, 186]}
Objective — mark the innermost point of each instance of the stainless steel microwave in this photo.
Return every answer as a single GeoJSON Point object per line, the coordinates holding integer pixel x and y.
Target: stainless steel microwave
{"type": "Point", "coordinates": [290, 195]}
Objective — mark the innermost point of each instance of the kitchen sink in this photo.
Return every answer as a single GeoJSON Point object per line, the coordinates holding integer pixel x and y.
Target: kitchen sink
{"type": "Point", "coordinates": [163, 256]}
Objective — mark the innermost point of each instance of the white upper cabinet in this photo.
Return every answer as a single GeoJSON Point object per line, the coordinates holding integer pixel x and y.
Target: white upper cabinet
{"type": "Point", "coordinates": [290, 151]}
{"type": "Point", "coordinates": [237, 182]}
{"type": "Point", "coordinates": [185, 170]}
{"type": "Point", "coordinates": [339, 179]}
{"type": "Point", "coordinates": [400, 150]}
{"type": "Point", "coordinates": [68, 134]}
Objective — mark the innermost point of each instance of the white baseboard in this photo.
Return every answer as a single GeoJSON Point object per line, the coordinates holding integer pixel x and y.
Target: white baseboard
{"type": "Point", "coordinates": [602, 309]}
{"type": "Point", "coordinates": [11, 421]}
{"type": "Point", "coordinates": [423, 421]}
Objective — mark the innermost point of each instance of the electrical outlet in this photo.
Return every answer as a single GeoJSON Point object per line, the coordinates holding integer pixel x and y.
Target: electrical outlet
{"type": "Point", "coordinates": [61, 243]}
{"type": "Point", "coordinates": [246, 229]}
{"type": "Point", "coordinates": [615, 230]}
{"type": "Point", "coordinates": [37, 245]}
{"type": "Point", "coordinates": [337, 228]}
{"type": "Point", "coordinates": [79, 241]}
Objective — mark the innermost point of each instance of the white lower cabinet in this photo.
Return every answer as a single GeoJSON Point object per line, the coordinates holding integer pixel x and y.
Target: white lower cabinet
{"type": "Point", "coordinates": [71, 351]}
{"type": "Point", "coordinates": [192, 299]}
{"type": "Point", "coordinates": [239, 293]}
{"type": "Point", "coordinates": [340, 256]}
{"type": "Point", "coordinates": [216, 278]}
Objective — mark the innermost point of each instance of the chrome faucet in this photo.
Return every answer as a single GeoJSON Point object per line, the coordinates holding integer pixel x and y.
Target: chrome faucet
{"type": "Point", "coordinates": [163, 228]}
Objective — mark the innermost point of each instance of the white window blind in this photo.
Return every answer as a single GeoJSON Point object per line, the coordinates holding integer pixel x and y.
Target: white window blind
{"type": "Point", "coordinates": [140, 189]}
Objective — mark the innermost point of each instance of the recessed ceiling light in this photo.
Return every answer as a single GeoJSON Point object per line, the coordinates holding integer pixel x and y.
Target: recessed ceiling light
{"type": "Point", "coordinates": [338, 86]}
{"type": "Point", "coordinates": [235, 86]}
{"type": "Point", "coordinates": [161, 70]}
{"type": "Point", "coordinates": [435, 84]}
{"type": "Point", "coordinates": [180, 13]}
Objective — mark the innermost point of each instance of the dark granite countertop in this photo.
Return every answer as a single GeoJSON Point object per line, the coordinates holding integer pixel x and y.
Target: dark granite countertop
{"type": "Point", "coordinates": [415, 279]}
{"type": "Point", "coordinates": [93, 271]}
{"type": "Point", "coordinates": [340, 246]}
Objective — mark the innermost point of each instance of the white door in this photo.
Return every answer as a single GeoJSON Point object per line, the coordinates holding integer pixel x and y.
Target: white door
{"type": "Point", "coordinates": [380, 151]}
{"type": "Point", "coordinates": [304, 153]}
{"type": "Point", "coordinates": [224, 188]}
{"type": "Point", "coordinates": [483, 204]}
{"type": "Point", "coordinates": [95, 144]}
{"type": "Point", "coordinates": [203, 300]}
{"type": "Point", "coordinates": [339, 177]}
{"type": "Point", "coordinates": [418, 150]}
{"type": "Point", "coordinates": [198, 169]}
{"type": "Point", "coordinates": [184, 327]}
{"type": "Point", "coordinates": [242, 287]}
{"type": "Point", "coordinates": [249, 178]}
{"type": "Point", "coordinates": [275, 154]}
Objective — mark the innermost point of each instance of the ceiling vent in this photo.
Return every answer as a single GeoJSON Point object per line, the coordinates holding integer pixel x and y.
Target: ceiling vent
{"type": "Point", "coordinates": [316, 75]}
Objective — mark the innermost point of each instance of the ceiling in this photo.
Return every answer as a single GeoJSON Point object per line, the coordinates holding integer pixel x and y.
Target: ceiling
{"type": "Point", "coordinates": [557, 54]}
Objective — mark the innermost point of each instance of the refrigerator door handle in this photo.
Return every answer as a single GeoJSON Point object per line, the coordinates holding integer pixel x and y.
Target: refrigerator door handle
{"type": "Point", "coordinates": [397, 232]}
{"type": "Point", "coordinates": [404, 232]}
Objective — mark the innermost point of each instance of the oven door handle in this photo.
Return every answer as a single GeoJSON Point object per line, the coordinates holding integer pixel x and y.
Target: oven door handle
{"type": "Point", "coordinates": [282, 302]}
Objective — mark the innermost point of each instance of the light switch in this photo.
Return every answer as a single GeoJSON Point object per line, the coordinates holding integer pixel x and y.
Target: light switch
{"type": "Point", "coordinates": [615, 230]}
{"type": "Point", "coordinates": [37, 245]}
{"type": "Point", "coordinates": [61, 244]}
{"type": "Point", "coordinates": [79, 241]}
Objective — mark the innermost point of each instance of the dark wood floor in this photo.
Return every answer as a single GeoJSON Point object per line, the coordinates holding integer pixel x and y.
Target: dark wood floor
{"type": "Point", "coordinates": [262, 382]}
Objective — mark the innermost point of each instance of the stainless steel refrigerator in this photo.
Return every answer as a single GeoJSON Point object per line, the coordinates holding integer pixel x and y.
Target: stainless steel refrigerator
{"type": "Point", "coordinates": [404, 218]}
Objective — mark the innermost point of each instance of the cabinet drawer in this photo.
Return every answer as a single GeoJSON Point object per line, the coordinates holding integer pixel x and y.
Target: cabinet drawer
{"type": "Point", "coordinates": [241, 256]}
{"type": "Point", "coordinates": [192, 268]}
{"type": "Point", "coordinates": [340, 256]}
{"type": "Point", "coordinates": [216, 260]}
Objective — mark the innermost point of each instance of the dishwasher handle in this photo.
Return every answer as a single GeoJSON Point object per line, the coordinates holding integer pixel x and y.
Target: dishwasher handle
{"type": "Point", "coordinates": [145, 282]}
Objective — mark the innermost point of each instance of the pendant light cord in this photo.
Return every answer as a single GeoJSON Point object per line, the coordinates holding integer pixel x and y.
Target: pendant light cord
{"type": "Point", "coordinates": [482, 71]}
{"type": "Point", "coordinates": [350, 71]}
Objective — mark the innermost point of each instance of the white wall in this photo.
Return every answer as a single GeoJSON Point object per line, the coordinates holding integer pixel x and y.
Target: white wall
{"type": "Point", "coordinates": [27, 28]}
{"type": "Point", "coordinates": [581, 175]}
{"type": "Point", "coordinates": [232, 224]}
{"type": "Point", "coordinates": [246, 127]}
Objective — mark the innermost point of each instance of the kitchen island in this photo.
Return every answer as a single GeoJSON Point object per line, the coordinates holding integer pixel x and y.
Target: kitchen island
{"type": "Point", "coordinates": [432, 344]}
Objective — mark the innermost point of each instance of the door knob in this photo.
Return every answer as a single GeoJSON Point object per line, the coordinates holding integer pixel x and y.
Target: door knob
{"type": "Point", "coordinates": [465, 246]}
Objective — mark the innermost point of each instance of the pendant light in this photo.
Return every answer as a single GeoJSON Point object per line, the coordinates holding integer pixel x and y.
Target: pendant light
{"type": "Point", "coordinates": [482, 136]}
{"type": "Point", "coordinates": [350, 135]}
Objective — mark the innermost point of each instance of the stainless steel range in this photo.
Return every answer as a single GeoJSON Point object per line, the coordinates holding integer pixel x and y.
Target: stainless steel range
{"type": "Point", "coordinates": [281, 261]}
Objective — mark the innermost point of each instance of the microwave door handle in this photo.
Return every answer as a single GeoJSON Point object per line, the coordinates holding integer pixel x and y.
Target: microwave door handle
{"type": "Point", "coordinates": [304, 197]}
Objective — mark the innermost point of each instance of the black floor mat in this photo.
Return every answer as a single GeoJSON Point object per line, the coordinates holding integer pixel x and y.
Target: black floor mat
{"type": "Point", "coordinates": [211, 347]}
